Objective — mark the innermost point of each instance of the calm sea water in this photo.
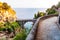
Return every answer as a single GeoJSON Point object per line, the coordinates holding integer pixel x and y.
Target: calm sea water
{"type": "Point", "coordinates": [27, 13]}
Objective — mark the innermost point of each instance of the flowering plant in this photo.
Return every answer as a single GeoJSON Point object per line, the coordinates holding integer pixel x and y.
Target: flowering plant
{"type": "Point", "coordinates": [7, 13]}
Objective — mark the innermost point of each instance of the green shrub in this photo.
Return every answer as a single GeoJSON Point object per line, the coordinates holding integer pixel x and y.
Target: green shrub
{"type": "Point", "coordinates": [9, 26]}
{"type": "Point", "coordinates": [20, 36]}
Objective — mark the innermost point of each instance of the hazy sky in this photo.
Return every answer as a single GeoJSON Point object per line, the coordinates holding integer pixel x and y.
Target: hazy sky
{"type": "Point", "coordinates": [27, 8]}
{"type": "Point", "coordinates": [27, 13]}
{"type": "Point", "coordinates": [31, 3]}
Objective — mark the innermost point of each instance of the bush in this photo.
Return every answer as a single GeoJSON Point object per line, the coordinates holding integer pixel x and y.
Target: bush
{"type": "Point", "coordinates": [20, 36]}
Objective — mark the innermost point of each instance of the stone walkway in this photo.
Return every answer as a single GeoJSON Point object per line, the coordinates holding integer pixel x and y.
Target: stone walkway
{"type": "Point", "coordinates": [48, 30]}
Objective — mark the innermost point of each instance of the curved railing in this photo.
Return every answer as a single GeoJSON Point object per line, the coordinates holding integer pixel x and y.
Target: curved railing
{"type": "Point", "coordinates": [33, 31]}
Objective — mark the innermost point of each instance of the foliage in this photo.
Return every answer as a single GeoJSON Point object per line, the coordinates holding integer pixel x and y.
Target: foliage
{"type": "Point", "coordinates": [6, 13]}
{"type": "Point", "coordinates": [7, 17]}
{"type": "Point", "coordinates": [58, 5]}
{"type": "Point", "coordinates": [8, 22]}
{"type": "Point", "coordinates": [49, 11]}
{"type": "Point", "coordinates": [21, 36]}
{"type": "Point", "coordinates": [35, 16]}
{"type": "Point", "coordinates": [9, 26]}
{"type": "Point", "coordinates": [52, 10]}
{"type": "Point", "coordinates": [39, 14]}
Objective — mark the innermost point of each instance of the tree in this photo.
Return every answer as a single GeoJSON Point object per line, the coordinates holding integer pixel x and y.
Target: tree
{"type": "Point", "coordinates": [35, 16]}
{"type": "Point", "coordinates": [51, 11]}
{"type": "Point", "coordinates": [39, 14]}
{"type": "Point", "coordinates": [58, 5]}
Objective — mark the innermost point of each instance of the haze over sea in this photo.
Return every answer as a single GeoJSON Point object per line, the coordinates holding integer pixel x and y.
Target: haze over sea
{"type": "Point", "coordinates": [27, 13]}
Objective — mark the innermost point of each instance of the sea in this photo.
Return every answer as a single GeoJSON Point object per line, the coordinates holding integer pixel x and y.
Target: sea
{"type": "Point", "coordinates": [28, 13]}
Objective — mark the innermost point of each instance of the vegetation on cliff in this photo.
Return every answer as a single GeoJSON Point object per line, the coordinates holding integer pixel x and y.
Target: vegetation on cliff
{"type": "Point", "coordinates": [49, 11]}
{"type": "Point", "coordinates": [8, 25]}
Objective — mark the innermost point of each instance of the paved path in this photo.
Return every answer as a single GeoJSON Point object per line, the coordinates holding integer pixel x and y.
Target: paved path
{"type": "Point", "coordinates": [48, 30]}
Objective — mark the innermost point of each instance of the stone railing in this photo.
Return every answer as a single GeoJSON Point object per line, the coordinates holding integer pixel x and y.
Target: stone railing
{"type": "Point", "coordinates": [32, 34]}
{"type": "Point", "coordinates": [33, 31]}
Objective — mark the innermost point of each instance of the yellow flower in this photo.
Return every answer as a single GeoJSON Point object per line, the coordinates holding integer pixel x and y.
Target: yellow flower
{"type": "Point", "coordinates": [42, 14]}
{"type": "Point", "coordinates": [10, 19]}
{"type": "Point", "coordinates": [12, 12]}
{"type": "Point", "coordinates": [1, 3]}
{"type": "Point", "coordinates": [1, 17]}
{"type": "Point", "coordinates": [7, 15]}
{"type": "Point", "coordinates": [2, 11]}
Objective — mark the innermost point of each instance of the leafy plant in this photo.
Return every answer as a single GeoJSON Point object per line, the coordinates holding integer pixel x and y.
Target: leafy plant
{"type": "Point", "coordinates": [21, 35]}
{"type": "Point", "coordinates": [51, 11]}
{"type": "Point", "coordinates": [39, 14]}
{"type": "Point", "coordinates": [15, 24]}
